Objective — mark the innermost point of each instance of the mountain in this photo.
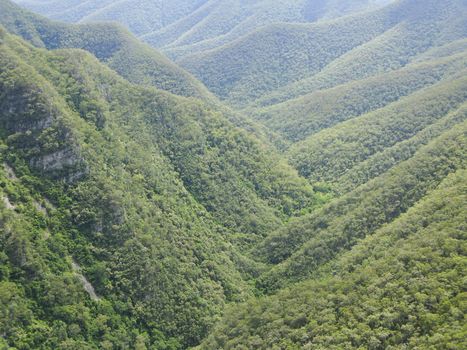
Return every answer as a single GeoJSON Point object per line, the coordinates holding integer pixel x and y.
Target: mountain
{"type": "Point", "coordinates": [182, 23]}
{"type": "Point", "coordinates": [370, 269]}
{"type": "Point", "coordinates": [146, 191]}
{"type": "Point", "coordinates": [278, 199]}
{"type": "Point", "coordinates": [399, 288]}
{"type": "Point", "coordinates": [330, 153]}
{"type": "Point", "coordinates": [141, 16]}
{"type": "Point", "coordinates": [223, 21]}
{"type": "Point", "coordinates": [265, 52]}
{"type": "Point", "coordinates": [121, 51]}
{"type": "Point", "coordinates": [299, 118]}
{"type": "Point", "coordinates": [313, 198]}
{"type": "Point", "coordinates": [284, 58]}
{"type": "Point", "coordinates": [305, 244]}
{"type": "Point", "coordinates": [110, 43]}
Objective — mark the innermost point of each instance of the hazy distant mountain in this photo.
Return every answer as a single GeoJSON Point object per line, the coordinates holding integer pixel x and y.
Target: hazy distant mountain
{"type": "Point", "coordinates": [140, 16]}
{"type": "Point", "coordinates": [301, 58]}
{"type": "Point", "coordinates": [194, 19]}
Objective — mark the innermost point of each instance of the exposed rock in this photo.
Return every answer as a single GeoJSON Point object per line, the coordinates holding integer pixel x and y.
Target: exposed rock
{"type": "Point", "coordinates": [17, 114]}
{"type": "Point", "coordinates": [86, 284]}
{"type": "Point", "coordinates": [77, 175]}
{"type": "Point", "coordinates": [10, 173]}
{"type": "Point", "coordinates": [61, 160]}
{"type": "Point", "coordinates": [7, 203]}
{"type": "Point", "coordinates": [36, 125]}
{"type": "Point", "coordinates": [57, 160]}
{"type": "Point", "coordinates": [26, 115]}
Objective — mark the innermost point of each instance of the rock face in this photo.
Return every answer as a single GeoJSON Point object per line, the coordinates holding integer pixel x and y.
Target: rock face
{"type": "Point", "coordinates": [86, 284]}
{"type": "Point", "coordinates": [28, 119]}
{"type": "Point", "coordinates": [63, 162]}
{"type": "Point", "coordinates": [10, 173]}
{"type": "Point", "coordinates": [7, 203]}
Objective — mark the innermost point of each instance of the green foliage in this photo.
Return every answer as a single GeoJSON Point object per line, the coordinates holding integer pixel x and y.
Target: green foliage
{"type": "Point", "coordinates": [132, 218]}
{"type": "Point", "coordinates": [299, 118]}
{"type": "Point", "coordinates": [283, 61]}
{"type": "Point", "coordinates": [401, 288]}
{"type": "Point", "coordinates": [149, 191]}
{"type": "Point", "coordinates": [331, 153]}
{"type": "Point", "coordinates": [385, 160]}
{"type": "Point", "coordinates": [110, 43]}
{"type": "Point", "coordinates": [305, 244]}
{"type": "Point", "coordinates": [100, 211]}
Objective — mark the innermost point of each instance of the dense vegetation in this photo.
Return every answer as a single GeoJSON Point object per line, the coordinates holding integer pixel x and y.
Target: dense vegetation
{"type": "Point", "coordinates": [309, 242]}
{"type": "Point", "coordinates": [110, 43]}
{"type": "Point", "coordinates": [329, 154]}
{"type": "Point", "coordinates": [299, 118]}
{"type": "Point", "coordinates": [114, 46]}
{"type": "Point", "coordinates": [151, 189]}
{"type": "Point", "coordinates": [244, 51]}
{"type": "Point", "coordinates": [401, 288]}
{"type": "Point", "coordinates": [137, 211]}
{"type": "Point", "coordinates": [300, 58]}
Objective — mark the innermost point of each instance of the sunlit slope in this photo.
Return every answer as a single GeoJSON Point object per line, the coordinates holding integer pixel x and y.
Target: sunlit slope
{"type": "Point", "coordinates": [297, 119]}
{"type": "Point", "coordinates": [401, 287]}
{"type": "Point", "coordinates": [110, 43]}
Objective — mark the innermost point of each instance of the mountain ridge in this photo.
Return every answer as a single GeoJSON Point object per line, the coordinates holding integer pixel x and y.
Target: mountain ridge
{"type": "Point", "coordinates": [315, 198]}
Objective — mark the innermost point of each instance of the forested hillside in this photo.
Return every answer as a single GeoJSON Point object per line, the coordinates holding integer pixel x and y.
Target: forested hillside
{"type": "Point", "coordinates": [299, 118]}
{"type": "Point", "coordinates": [141, 16]}
{"type": "Point", "coordinates": [121, 51]}
{"type": "Point", "coordinates": [148, 190]}
{"type": "Point", "coordinates": [307, 192]}
{"type": "Point", "coordinates": [326, 54]}
{"type": "Point", "coordinates": [110, 43]}
{"type": "Point", "coordinates": [399, 288]}
{"type": "Point", "coordinates": [273, 51]}
{"type": "Point", "coordinates": [305, 244]}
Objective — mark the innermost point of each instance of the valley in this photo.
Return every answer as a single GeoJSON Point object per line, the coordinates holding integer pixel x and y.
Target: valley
{"type": "Point", "coordinates": [223, 174]}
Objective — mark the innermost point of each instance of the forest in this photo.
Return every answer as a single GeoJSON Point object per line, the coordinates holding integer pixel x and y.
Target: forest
{"type": "Point", "coordinates": [233, 175]}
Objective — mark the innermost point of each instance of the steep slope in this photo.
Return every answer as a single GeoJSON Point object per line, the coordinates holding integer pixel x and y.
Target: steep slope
{"type": "Point", "coordinates": [136, 62]}
{"type": "Point", "coordinates": [131, 217]}
{"type": "Point", "coordinates": [306, 244]}
{"type": "Point", "coordinates": [146, 191]}
{"type": "Point", "coordinates": [400, 288]}
{"type": "Point", "coordinates": [329, 53]}
{"type": "Point", "coordinates": [343, 71]}
{"type": "Point", "coordinates": [122, 213]}
{"type": "Point", "coordinates": [213, 158]}
{"type": "Point", "coordinates": [110, 43]}
{"type": "Point", "coordinates": [299, 118]}
{"type": "Point", "coordinates": [243, 51]}
{"type": "Point", "coordinates": [329, 154]}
